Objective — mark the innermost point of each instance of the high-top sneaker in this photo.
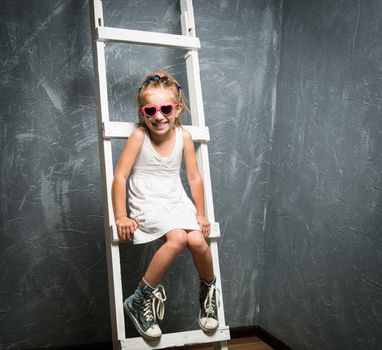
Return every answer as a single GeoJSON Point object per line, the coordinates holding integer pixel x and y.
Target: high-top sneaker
{"type": "Point", "coordinates": [144, 307]}
{"type": "Point", "coordinates": [208, 314]}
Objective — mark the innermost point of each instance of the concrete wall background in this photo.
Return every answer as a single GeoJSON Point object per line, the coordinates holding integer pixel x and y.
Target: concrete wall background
{"type": "Point", "coordinates": [54, 279]}
{"type": "Point", "coordinates": [323, 249]}
{"type": "Point", "coordinates": [292, 96]}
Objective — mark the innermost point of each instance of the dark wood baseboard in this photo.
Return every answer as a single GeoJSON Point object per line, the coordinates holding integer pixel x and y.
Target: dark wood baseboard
{"type": "Point", "coordinates": [236, 333]}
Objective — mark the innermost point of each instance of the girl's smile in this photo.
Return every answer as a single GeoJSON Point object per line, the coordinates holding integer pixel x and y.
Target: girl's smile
{"type": "Point", "coordinates": [160, 124]}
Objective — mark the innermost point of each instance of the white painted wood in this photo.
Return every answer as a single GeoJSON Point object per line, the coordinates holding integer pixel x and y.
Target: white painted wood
{"type": "Point", "coordinates": [113, 233]}
{"type": "Point", "coordinates": [197, 116]}
{"type": "Point", "coordinates": [215, 259]}
{"type": "Point", "coordinates": [118, 129]}
{"type": "Point", "coordinates": [96, 14]}
{"type": "Point", "coordinates": [176, 339]}
{"type": "Point", "coordinates": [106, 167]}
{"type": "Point", "coordinates": [108, 130]}
{"type": "Point", "coordinates": [147, 38]}
{"type": "Point", "coordinates": [125, 129]}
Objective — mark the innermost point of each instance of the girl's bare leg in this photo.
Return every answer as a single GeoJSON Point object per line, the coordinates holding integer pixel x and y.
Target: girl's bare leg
{"type": "Point", "coordinates": [175, 242]}
{"type": "Point", "coordinates": [201, 255]}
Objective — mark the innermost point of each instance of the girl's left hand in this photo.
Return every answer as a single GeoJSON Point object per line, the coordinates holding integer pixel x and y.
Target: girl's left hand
{"type": "Point", "coordinates": [204, 224]}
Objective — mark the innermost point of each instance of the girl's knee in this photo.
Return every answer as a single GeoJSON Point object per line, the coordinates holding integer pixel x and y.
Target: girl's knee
{"type": "Point", "coordinates": [177, 240]}
{"type": "Point", "coordinates": [196, 242]}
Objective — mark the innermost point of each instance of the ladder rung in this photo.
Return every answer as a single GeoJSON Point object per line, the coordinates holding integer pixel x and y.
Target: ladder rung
{"type": "Point", "coordinates": [125, 129]}
{"type": "Point", "coordinates": [214, 234]}
{"type": "Point", "coordinates": [148, 38]}
{"type": "Point", "coordinates": [177, 339]}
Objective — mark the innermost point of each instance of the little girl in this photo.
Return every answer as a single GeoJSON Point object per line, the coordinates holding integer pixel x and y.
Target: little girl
{"type": "Point", "coordinates": [159, 206]}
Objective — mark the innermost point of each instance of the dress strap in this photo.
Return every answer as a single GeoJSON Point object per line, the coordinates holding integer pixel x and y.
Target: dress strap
{"type": "Point", "coordinates": [179, 137]}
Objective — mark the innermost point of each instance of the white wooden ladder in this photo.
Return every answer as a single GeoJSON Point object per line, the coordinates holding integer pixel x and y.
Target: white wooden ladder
{"type": "Point", "coordinates": [107, 130]}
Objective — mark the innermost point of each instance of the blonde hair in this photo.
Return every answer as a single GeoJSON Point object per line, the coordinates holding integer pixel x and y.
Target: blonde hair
{"type": "Point", "coordinates": [162, 79]}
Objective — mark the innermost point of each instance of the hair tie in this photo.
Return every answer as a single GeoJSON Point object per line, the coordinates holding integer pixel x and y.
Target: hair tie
{"type": "Point", "coordinates": [156, 77]}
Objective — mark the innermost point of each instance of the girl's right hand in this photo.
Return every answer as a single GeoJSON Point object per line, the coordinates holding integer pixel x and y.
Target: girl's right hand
{"type": "Point", "coordinates": [126, 228]}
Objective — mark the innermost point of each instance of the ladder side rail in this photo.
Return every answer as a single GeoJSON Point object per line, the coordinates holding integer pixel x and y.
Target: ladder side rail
{"type": "Point", "coordinates": [113, 258]}
{"type": "Point", "coordinates": [196, 101]}
{"type": "Point", "coordinates": [197, 116]}
{"type": "Point", "coordinates": [106, 167]}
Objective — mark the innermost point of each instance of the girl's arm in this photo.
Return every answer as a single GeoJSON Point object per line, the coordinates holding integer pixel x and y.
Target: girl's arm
{"type": "Point", "coordinates": [195, 181]}
{"type": "Point", "coordinates": [125, 226]}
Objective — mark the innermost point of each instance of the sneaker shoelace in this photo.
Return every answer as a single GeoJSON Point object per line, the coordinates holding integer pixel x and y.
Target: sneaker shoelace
{"type": "Point", "coordinates": [154, 304]}
{"type": "Point", "coordinates": [209, 302]}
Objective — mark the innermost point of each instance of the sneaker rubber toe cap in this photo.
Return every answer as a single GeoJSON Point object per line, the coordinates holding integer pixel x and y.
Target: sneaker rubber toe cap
{"type": "Point", "coordinates": [208, 324]}
{"type": "Point", "coordinates": [154, 332]}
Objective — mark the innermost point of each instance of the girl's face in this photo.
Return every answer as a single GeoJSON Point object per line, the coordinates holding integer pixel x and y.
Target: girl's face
{"type": "Point", "coordinates": [161, 123]}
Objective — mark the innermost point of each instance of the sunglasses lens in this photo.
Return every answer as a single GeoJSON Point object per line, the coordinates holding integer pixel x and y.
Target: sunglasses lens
{"type": "Point", "coordinates": [150, 111]}
{"type": "Point", "coordinates": [166, 109]}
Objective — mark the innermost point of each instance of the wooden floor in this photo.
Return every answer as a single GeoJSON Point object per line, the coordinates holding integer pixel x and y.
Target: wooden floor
{"type": "Point", "coordinates": [252, 343]}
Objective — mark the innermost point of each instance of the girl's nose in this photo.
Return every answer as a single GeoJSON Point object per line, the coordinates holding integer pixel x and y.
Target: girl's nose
{"type": "Point", "coordinates": [158, 115]}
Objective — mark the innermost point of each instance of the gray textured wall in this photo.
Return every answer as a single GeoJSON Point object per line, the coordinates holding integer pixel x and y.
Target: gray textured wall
{"type": "Point", "coordinates": [296, 168]}
{"type": "Point", "coordinates": [52, 257]}
{"type": "Point", "coordinates": [321, 287]}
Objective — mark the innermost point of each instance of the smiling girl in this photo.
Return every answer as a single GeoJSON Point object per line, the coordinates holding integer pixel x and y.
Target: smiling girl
{"type": "Point", "coordinates": [159, 206]}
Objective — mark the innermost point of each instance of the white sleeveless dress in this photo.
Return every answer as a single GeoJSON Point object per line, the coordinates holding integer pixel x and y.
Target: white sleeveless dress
{"type": "Point", "coordinates": [157, 199]}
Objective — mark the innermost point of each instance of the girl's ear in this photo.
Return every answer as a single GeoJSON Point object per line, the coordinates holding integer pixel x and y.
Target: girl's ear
{"type": "Point", "coordinates": [179, 109]}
